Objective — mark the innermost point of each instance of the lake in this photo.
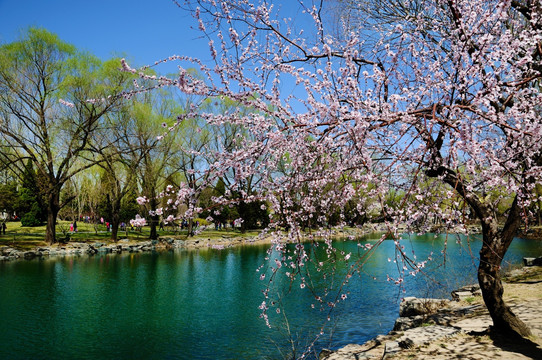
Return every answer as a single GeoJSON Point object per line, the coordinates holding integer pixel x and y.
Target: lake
{"type": "Point", "coordinates": [203, 304]}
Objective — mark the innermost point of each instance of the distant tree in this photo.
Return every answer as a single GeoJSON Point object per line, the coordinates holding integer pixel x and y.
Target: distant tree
{"type": "Point", "coordinates": [148, 119]}
{"type": "Point", "coordinates": [128, 207]}
{"type": "Point", "coordinates": [31, 206]}
{"type": "Point", "coordinates": [8, 197]}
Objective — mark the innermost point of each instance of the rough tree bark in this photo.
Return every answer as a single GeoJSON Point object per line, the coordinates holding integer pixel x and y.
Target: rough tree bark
{"type": "Point", "coordinates": [494, 247]}
{"type": "Point", "coordinates": [53, 207]}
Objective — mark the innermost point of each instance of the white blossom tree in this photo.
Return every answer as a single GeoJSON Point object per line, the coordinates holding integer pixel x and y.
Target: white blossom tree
{"type": "Point", "coordinates": [439, 99]}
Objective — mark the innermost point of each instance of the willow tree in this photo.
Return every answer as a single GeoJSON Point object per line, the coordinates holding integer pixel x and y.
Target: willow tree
{"type": "Point", "coordinates": [152, 154]}
{"type": "Point", "coordinates": [52, 98]}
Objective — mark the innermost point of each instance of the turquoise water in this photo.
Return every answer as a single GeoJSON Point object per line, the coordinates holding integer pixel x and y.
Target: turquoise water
{"type": "Point", "coordinates": [204, 304]}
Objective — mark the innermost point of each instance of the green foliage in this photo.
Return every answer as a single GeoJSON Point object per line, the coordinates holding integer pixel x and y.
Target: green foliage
{"type": "Point", "coordinates": [8, 197]}
{"type": "Point", "coordinates": [253, 215]}
{"type": "Point", "coordinates": [30, 205]}
{"type": "Point", "coordinates": [33, 217]}
{"type": "Point", "coordinates": [129, 207]}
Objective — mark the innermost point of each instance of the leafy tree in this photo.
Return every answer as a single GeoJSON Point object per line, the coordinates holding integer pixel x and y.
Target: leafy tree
{"type": "Point", "coordinates": [128, 207]}
{"type": "Point", "coordinates": [32, 217]}
{"type": "Point", "coordinates": [52, 98]}
{"type": "Point", "coordinates": [8, 197]}
{"type": "Point", "coordinates": [117, 175]}
{"type": "Point", "coordinates": [31, 205]}
{"type": "Point", "coordinates": [150, 150]}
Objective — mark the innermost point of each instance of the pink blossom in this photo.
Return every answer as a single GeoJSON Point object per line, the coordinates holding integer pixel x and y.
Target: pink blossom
{"type": "Point", "coordinates": [66, 103]}
{"type": "Point", "coordinates": [138, 221]}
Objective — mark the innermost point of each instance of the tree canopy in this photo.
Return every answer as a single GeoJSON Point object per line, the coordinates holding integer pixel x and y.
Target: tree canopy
{"type": "Point", "coordinates": [52, 101]}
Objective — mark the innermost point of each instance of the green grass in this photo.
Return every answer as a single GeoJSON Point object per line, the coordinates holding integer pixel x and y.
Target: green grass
{"type": "Point", "coordinates": [228, 233]}
{"type": "Point", "coordinates": [25, 238]}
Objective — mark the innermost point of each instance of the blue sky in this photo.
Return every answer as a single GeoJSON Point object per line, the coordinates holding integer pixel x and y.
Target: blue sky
{"type": "Point", "coordinates": [143, 30]}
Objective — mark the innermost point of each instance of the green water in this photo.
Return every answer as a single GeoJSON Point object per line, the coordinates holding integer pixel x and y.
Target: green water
{"type": "Point", "coordinates": [204, 304]}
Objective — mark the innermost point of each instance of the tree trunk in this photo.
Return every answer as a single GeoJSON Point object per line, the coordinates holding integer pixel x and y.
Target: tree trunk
{"type": "Point", "coordinates": [115, 220]}
{"type": "Point", "coordinates": [153, 220]}
{"type": "Point", "coordinates": [494, 247]}
{"type": "Point", "coordinates": [53, 207]}
{"type": "Point", "coordinates": [115, 217]}
{"type": "Point", "coordinates": [495, 244]}
{"type": "Point", "coordinates": [190, 227]}
{"type": "Point", "coordinates": [242, 210]}
{"type": "Point", "coordinates": [154, 232]}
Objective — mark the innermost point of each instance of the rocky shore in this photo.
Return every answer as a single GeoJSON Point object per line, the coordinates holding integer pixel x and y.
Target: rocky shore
{"type": "Point", "coordinates": [457, 328]}
{"type": "Point", "coordinates": [8, 253]}
{"type": "Point", "coordinates": [165, 243]}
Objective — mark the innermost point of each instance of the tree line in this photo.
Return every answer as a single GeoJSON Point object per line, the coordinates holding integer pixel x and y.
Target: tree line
{"type": "Point", "coordinates": [76, 141]}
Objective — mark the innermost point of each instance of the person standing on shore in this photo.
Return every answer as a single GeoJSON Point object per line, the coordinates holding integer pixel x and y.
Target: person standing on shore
{"type": "Point", "coordinates": [4, 228]}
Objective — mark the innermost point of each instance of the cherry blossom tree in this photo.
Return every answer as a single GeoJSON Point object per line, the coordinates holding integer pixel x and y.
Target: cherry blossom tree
{"type": "Point", "coordinates": [439, 100]}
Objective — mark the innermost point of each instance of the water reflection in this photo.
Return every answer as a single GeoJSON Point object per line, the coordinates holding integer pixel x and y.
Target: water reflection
{"type": "Point", "coordinates": [204, 304]}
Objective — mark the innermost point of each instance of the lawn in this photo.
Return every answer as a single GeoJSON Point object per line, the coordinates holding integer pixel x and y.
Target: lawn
{"type": "Point", "coordinates": [23, 237]}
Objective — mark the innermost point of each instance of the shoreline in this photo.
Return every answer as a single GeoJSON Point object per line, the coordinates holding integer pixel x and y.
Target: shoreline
{"type": "Point", "coordinates": [171, 242]}
{"type": "Point", "coordinates": [164, 243]}
{"type": "Point", "coordinates": [459, 328]}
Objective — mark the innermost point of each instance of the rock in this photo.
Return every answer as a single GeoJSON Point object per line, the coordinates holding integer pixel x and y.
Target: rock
{"type": "Point", "coordinates": [391, 347]}
{"type": "Point", "coordinates": [324, 354]}
{"type": "Point", "coordinates": [178, 243]}
{"type": "Point", "coordinates": [29, 255]}
{"type": "Point", "coordinates": [167, 240]}
{"type": "Point", "coordinates": [411, 306]}
{"type": "Point", "coordinates": [405, 323]}
{"type": "Point", "coordinates": [466, 292]}
{"type": "Point", "coordinates": [124, 240]}
{"type": "Point", "coordinates": [530, 261]}
{"type": "Point", "coordinates": [6, 251]}
{"type": "Point", "coordinates": [406, 343]}
{"type": "Point", "coordinates": [91, 250]}
{"type": "Point", "coordinates": [57, 252]}
{"type": "Point", "coordinates": [352, 352]}
{"type": "Point", "coordinates": [461, 295]}
{"type": "Point", "coordinates": [135, 248]}
{"type": "Point", "coordinates": [476, 325]}
{"type": "Point", "coordinates": [425, 335]}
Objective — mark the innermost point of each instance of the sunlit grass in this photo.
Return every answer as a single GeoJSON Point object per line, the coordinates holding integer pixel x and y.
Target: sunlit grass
{"type": "Point", "coordinates": [24, 237]}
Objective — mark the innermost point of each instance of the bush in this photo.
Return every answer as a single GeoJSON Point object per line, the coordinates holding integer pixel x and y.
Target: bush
{"type": "Point", "coordinates": [32, 218]}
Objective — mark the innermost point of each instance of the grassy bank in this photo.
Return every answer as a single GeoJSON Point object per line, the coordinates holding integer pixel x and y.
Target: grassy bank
{"type": "Point", "coordinates": [24, 238]}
